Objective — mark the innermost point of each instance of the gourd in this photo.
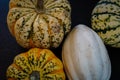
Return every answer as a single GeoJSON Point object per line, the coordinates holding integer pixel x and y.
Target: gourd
{"type": "Point", "coordinates": [36, 64]}
{"type": "Point", "coordinates": [39, 23]}
{"type": "Point", "coordinates": [106, 21]}
{"type": "Point", "coordinates": [84, 55]}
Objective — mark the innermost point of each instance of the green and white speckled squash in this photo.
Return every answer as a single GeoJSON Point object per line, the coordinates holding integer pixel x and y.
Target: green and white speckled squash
{"type": "Point", "coordinates": [106, 21]}
{"type": "Point", "coordinates": [39, 23]}
{"type": "Point", "coordinates": [36, 64]}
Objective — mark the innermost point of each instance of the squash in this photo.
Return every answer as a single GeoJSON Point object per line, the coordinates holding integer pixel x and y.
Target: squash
{"type": "Point", "coordinates": [106, 21]}
{"type": "Point", "coordinates": [39, 23]}
{"type": "Point", "coordinates": [36, 64]}
{"type": "Point", "coordinates": [84, 55]}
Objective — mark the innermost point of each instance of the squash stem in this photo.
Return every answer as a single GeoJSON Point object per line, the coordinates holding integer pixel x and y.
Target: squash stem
{"type": "Point", "coordinates": [40, 6]}
{"type": "Point", "coordinates": [34, 75]}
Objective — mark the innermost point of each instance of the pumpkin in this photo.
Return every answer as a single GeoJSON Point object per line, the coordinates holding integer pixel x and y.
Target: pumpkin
{"type": "Point", "coordinates": [39, 23]}
{"type": "Point", "coordinates": [106, 21]}
{"type": "Point", "coordinates": [36, 64]}
{"type": "Point", "coordinates": [84, 55]}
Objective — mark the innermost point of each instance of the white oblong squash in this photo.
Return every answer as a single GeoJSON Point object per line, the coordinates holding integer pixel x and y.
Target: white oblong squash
{"type": "Point", "coordinates": [84, 55]}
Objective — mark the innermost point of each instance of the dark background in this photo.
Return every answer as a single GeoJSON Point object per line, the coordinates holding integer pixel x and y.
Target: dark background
{"type": "Point", "coordinates": [81, 14]}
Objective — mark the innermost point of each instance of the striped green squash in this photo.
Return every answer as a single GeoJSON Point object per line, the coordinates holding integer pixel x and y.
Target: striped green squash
{"type": "Point", "coordinates": [39, 23]}
{"type": "Point", "coordinates": [106, 21]}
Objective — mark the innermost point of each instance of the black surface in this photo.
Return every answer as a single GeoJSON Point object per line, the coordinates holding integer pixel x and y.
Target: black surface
{"type": "Point", "coordinates": [81, 14]}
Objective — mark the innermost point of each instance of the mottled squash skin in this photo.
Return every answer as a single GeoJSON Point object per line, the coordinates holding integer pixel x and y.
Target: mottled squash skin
{"type": "Point", "coordinates": [106, 21]}
{"type": "Point", "coordinates": [36, 64]}
{"type": "Point", "coordinates": [39, 23]}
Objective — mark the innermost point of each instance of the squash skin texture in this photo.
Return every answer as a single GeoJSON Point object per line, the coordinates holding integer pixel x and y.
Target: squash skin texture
{"type": "Point", "coordinates": [84, 55]}
{"type": "Point", "coordinates": [41, 61]}
{"type": "Point", "coordinates": [105, 20]}
{"type": "Point", "coordinates": [45, 29]}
